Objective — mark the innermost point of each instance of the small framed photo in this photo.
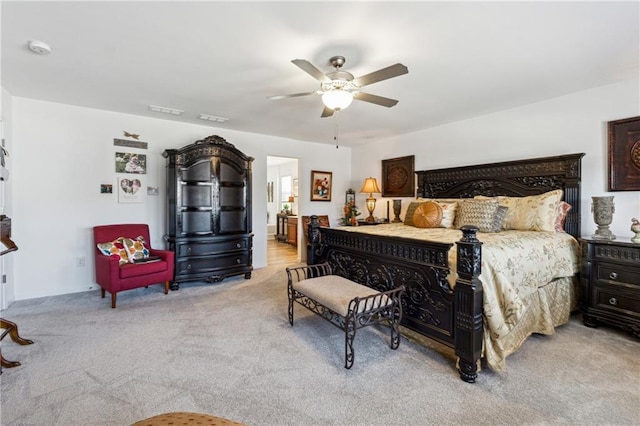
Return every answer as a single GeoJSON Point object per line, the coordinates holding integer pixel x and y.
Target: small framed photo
{"type": "Point", "coordinates": [106, 188]}
{"type": "Point", "coordinates": [321, 183]}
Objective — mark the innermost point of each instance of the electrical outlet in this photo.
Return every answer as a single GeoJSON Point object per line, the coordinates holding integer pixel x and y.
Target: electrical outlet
{"type": "Point", "coordinates": [80, 262]}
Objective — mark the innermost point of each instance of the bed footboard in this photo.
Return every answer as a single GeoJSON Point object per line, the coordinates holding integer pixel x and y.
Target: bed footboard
{"type": "Point", "coordinates": [430, 306]}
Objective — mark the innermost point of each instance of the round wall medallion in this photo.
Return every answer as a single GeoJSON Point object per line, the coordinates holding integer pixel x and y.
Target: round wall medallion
{"type": "Point", "coordinates": [397, 178]}
{"type": "Point", "coordinates": [635, 154]}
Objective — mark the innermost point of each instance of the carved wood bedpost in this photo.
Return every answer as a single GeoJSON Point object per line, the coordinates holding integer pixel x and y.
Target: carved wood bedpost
{"type": "Point", "coordinates": [314, 240]}
{"type": "Point", "coordinates": [468, 302]}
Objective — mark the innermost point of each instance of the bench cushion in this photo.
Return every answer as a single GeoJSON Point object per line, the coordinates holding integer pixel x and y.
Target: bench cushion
{"type": "Point", "coordinates": [335, 292]}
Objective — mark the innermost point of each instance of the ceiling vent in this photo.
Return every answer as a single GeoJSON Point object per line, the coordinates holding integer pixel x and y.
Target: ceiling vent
{"type": "Point", "coordinates": [213, 118]}
{"type": "Point", "coordinates": [165, 110]}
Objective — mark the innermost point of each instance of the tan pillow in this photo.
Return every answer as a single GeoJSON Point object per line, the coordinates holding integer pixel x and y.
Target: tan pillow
{"type": "Point", "coordinates": [532, 213]}
{"type": "Point", "coordinates": [427, 215]}
{"type": "Point", "coordinates": [448, 214]}
{"type": "Point", "coordinates": [480, 213]}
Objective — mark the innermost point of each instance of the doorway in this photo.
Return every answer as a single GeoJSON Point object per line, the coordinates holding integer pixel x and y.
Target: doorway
{"type": "Point", "coordinates": [282, 210]}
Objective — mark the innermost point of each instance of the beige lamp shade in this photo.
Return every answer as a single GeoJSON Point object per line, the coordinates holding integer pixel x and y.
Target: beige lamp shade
{"type": "Point", "coordinates": [370, 186]}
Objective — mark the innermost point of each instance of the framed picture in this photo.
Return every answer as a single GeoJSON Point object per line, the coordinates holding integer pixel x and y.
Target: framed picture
{"type": "Point", "coordinates": [321, 185]}
{"type": "Point", "coordinates": [295, 187]}
{"type": "Point", "coordinates": [398, 177]}
{"type": "Point", "coordinates": [127, 162]}
{"type": "Point", "coordinates": [624, 154]}
{"type": "Point", "coordinates": [130, 190]}
{"type": "Point", "coordinates": [350, 197]}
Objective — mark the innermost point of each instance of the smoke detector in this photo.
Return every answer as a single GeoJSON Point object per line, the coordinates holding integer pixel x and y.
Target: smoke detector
{"type": "Point", "coordinates": [39, 47]}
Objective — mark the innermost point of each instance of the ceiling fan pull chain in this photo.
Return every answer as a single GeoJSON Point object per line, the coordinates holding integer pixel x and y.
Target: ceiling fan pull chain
{"type": "Point", "coordinates": [335, 129]}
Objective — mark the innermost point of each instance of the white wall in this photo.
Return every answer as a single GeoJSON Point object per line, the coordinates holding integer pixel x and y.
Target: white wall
{"type": "Point", "coordinates": [568, 124]}
{"type": "Point", "coordinates": [61, 155]}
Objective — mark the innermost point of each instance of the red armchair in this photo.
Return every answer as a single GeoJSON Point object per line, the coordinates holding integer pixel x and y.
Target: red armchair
{"type": "Point", "coordinates": [114, 278]}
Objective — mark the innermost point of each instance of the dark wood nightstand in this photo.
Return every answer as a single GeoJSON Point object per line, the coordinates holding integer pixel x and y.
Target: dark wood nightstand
{"type": "Point", "coordinates": [610, 283]}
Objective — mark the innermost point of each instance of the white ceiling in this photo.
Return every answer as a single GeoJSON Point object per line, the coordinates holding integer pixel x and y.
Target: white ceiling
{"type": "Point", "coordinates": [465, 59]}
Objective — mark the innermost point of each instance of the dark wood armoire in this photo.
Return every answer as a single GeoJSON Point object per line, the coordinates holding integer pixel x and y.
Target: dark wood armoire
{"type": "Point", "coordinates": [209, 211]}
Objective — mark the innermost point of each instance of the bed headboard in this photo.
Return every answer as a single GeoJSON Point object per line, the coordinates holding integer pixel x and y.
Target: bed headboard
{"type": "Point", "coordinates": [512, 178]}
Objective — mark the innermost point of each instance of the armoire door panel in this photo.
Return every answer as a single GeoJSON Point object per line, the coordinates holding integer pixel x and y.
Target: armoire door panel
{"type": "Point", "coordinates": [196, 222]}
{"type": "Point", "coordinates": [196, 196]}
{"type": "Point", "coordinates": [198, 172]}
{"type": "Point", "coordinates": [232, 197]}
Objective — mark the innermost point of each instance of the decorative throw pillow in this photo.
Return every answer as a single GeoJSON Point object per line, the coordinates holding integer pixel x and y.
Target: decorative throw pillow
{"type": "Point", "coordinates": [427, 215]}
{"type": "Point", "coordinates": [408, 216]}
{"type": "Point", "coordinates": [448, 214]}
{"type": "Point", "coordinates": [532, 213]}
{"type": "Point", "coordinates": [480, 213]}
{"type": "Point", "coordinates": [136, 249]}
{"type": "Point", "coordinates": [116, 249]}
{"type": "Point", "coordinates": [498, 219]}
{"type": "Point", "coordinates": [563, 209]}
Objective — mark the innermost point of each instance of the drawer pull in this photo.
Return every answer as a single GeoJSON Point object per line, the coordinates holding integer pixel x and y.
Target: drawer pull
{"type": "Point", "coordinates": [238, 245]}
{"type": "Point", "coordinates": [613, 276]}
{"type": "Point", "coordinates": [188, 266]}
{"type": "Point", "coordinates": [189, 250]}
{"type": "Point", "coordinates": [613, 301]}
{"type": "Point", "coordinates": [238, 261]}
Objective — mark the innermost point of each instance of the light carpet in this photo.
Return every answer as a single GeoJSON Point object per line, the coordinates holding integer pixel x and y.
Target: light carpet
{"type": "Point", "coordinates": [228, 350]}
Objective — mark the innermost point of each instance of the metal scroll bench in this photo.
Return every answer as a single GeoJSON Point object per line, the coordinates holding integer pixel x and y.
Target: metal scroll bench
{"type": "Point", "coordinates": [344, 303]}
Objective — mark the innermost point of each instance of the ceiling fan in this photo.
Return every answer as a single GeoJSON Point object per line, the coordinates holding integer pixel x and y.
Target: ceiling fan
{"type": "Point", "coordinates": [338, 88]}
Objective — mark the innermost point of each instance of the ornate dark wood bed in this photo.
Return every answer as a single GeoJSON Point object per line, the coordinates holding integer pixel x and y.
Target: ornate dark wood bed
{"type": "Point", "coordinates": [453, 317]}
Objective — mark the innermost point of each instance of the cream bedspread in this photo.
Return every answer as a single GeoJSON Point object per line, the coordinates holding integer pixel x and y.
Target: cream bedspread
{"type": "Point", "coordinates": [527, 277]}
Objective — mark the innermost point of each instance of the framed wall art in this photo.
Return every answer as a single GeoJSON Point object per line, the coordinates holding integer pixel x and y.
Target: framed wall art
{"type": "Point", "coordinates": [624, 154]}
{"type": "Point", "coordinates": [128, 162]}
{"type": "Point", "coordinates": [398, 177]}
{"type": "Point", "coordinates": [321, 185]}
{"type": "Point", "coordinates": [130, 190]}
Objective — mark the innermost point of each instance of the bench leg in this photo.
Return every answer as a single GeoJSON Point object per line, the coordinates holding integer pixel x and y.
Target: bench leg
{"type": "Point", "coordinates": [396, 313]}
{"type": "Point", "coordinates": [349, 335]}
{"type": "Point", "coordinates": [290, 292]}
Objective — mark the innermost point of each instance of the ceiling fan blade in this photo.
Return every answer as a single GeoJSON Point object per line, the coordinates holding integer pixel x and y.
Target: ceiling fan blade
{"type": "Point", "coordinates": [326, 112]}
{"type": "Point", "coordinates": [311, 69]}
{"type": "Point", "coordinates": [374, 99]}
{"type": "Point", "coordinates": [293, 95]}
{"type": "Point", "coordinates": [382, 74]}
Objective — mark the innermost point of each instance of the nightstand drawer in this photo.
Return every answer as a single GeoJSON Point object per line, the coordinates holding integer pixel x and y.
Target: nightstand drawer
{"type": "Point", "coordinates": [619, 253]}
{"type": "Point", "coordinates": [604, 298]}
{"type": "Point", "coordinates": [612, 272]}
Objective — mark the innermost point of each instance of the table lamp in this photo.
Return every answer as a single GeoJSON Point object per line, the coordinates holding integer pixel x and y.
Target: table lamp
{"type": "Point", "coordinates": [370, 187]}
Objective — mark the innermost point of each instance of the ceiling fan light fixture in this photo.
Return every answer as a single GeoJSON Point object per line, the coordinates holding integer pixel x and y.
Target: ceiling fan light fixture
{"type": "Point", "coordinates": [337, 99]}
